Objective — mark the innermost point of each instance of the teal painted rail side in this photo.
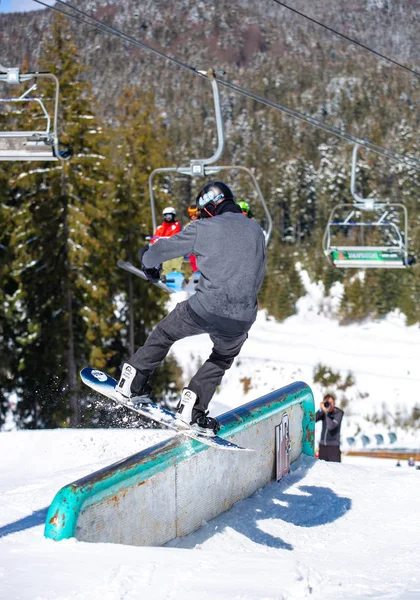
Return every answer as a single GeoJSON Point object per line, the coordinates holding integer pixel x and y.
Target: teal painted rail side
{"type": "Point", "coordinates": [263, 408]}
{"type": "Point", "coordinates": [65, 508]}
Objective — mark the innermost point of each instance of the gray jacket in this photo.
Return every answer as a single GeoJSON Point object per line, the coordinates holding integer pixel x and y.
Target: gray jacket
{"type": "Point", "coordinates": [331, 426]}
{"type": "Point", "coordinates": [230, 251]}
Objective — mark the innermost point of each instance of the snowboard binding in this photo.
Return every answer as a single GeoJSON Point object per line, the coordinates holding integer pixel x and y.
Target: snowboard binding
{"type": "Point", "coordinates": [188, 416]}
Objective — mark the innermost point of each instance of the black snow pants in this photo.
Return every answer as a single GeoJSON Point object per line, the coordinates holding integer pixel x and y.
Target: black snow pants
{"type": "Point", "coordinates": [329, 453]}
{"type": "Point", "coordinates": [178, 325]}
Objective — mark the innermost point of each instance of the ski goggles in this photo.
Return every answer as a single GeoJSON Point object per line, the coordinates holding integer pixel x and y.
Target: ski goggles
{"type": "Point", "coordinates": [192, 210]}
{"type": "Point", "coordinates": [209, 196]}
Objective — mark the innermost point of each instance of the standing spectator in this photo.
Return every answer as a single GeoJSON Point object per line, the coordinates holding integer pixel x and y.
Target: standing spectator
{"type": "Point", "coordinates": [169, 226]}
{"type": "Point", "coordinates": [329, 444]}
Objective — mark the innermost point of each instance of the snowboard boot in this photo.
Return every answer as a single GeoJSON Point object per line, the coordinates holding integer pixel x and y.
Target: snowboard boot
{"type": "Point", "coordinates": [185, 408]}
{"type": "Point", "coordinates": [126, 389]}
{"type": "Point", "coordinates": [204, 424]}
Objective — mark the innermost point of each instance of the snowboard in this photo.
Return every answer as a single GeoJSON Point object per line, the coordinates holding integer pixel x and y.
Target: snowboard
{"type": "Point", "coordinates": [175, 282]}
{"type": "Point", "coordinates": [128, 266]}
{"type": "Point", "coordinates": [105, 384]}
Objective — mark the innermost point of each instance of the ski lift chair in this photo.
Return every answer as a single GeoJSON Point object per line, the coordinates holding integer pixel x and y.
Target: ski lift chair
{"type": "Point", "coordinates": [204, 167]}
{"type": "Point", "coordinates": [376, 255]}
{"type": "Point", "coordinates": [38, 145]}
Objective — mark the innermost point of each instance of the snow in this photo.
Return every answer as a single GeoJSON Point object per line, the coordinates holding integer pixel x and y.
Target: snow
{"type": "Point", "coordinates": [326, 531]}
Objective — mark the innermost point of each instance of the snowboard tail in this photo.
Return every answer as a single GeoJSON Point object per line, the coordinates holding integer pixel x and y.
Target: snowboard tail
{"type": "Point", "coordinates": [105, 384]}
{"type": "Point", "coordinates": [175, 281]}
{"type": "Point", "coordinates": [128, 266]}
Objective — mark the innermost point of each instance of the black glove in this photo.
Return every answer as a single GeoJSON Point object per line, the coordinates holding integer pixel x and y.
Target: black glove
{"type": "Point", "coordinates": [153, 274]}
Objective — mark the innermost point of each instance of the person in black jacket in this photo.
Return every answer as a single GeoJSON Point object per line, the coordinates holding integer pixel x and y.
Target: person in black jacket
{"type": "Point", "coordinates": [331, 416]}
{"type": "Point", "coordinates": [230, 251]}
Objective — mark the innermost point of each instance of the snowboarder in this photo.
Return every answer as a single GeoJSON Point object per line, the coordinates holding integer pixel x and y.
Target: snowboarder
{"type": "Point", "coordinates": [230, 252]}
{"type": "Point", "coordinates": [169, 226]}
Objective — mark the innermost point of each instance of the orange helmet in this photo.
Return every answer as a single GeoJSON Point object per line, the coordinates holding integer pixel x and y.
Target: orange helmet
{"type": "Point", "coordinates": [192, 210]}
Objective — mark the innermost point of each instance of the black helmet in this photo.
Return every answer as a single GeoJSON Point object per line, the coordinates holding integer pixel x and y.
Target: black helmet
{"type": "Point", "coordinates": [213, 194]}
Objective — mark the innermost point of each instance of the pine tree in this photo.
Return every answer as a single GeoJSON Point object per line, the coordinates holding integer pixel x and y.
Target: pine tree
{"type": "Point", "coordinates": [282, 286]}
{"type": "Point", "coordinates": [11, 328]}
{"type": "Point", "coordinates": [355, 305]}
{"type": "Point", "coordinates": [61, 301]}
{"type": "Point", "coordinates": [139, 145]}
{"type": "Point", "coordinates": [7, 289]}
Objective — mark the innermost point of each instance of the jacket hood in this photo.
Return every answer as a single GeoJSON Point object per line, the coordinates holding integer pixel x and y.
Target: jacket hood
{"type": "Point", "coordinates": [227, 206]}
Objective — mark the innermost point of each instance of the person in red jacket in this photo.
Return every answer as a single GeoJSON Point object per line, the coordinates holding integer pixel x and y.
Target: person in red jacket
{"type": "Point", "coordinates": [169, 226]}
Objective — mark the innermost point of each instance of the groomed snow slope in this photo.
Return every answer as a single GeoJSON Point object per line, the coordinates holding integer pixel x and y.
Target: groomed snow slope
{"type": "Point", "coordinates": [326, 531]}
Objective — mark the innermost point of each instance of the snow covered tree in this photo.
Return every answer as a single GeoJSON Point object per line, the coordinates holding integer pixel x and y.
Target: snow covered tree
{"type": "Point", "coordinates": [299, 200]}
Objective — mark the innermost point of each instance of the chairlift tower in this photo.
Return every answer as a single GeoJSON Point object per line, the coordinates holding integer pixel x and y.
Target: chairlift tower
{"type": "Point", "coordinates": [365, 256]}
{"type": "Point", "coordinates": [204, 167]}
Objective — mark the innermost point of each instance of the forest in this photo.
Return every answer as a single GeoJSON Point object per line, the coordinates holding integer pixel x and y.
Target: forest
{"type": "Point", "coordinates": [63, 301]}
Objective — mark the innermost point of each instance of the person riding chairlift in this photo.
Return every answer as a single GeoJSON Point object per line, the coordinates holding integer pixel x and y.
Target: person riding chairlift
{"type": "Point", "coordinates": [193, 215]}
{"type": "Point", "coordinates": [169, 227]}
{"type": "Point", "coordinates": [246, 210]}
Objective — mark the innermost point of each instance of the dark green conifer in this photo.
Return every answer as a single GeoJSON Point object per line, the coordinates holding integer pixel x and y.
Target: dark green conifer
{"type": "Point", "coordinates": [62, 301]}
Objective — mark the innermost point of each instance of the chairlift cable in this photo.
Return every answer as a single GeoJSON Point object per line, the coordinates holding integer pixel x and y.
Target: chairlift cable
{"type": "Point", "coordinates": [349, 39]}
{"type": "Point", "coordinates": [408, 160]}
